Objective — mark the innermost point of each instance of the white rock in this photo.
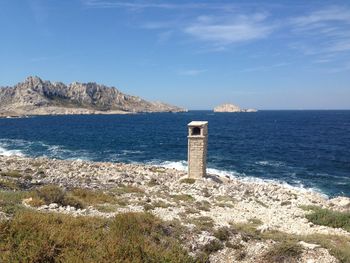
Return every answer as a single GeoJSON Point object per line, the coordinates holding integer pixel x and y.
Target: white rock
{"type": "Point", "coordinates": [309, 245]}
{"type": "Point", "coordinates": [263, 228]}
{"type": "Point", "coordinates": [341, 201]}
{"type": "Point", "coordinates": [53, 206]}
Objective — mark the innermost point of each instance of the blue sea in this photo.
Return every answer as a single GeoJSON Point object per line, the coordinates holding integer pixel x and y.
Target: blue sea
{"type": "Point", "coordinates": [307, 149]}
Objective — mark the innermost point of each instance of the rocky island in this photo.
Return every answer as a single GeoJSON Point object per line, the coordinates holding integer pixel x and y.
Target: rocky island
{"type": "Point", "coordinates": [35, 96]}
{"type": "Point", "coordinates": [231, 108]}
{"type": "Point", "coordinates": [79, 211]}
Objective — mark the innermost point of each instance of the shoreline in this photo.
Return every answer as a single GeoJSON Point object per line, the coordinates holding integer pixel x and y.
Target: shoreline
{"type": "Point", "coordinates": [202, 206]}
{"type": "Point", "coordinates": [181, 166]}
{"type": "Point", "coordinates": [257, 199]}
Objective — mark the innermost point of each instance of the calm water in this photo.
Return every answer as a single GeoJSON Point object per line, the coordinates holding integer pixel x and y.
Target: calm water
{"type": "Point", "coordinates": [309, 149]}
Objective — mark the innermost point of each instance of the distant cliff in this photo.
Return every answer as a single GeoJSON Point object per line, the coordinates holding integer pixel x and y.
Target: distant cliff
{"type": "Point", "coordinates": [231, 108]}
{"type": "Point", "coordinates": [37, 97]}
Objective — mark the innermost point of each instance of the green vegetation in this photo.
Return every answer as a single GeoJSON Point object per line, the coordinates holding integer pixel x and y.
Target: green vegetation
{"type": "Point", "coordinates": [284, 203]}
{"type": "Point", "coordinates": [187, 181]}
{"type": "Point", "coordinates": [90, 197]}
{"type": "Point", "coordinates": [79, 198]}
{"type": "Point", "coordinates": [158, 170]}
{"type": "Point", "coordinates": [327, 217]}
{"type": "Point", "coordinates": [203, 205]}
{"type": "Point", "coordinates": [10, 201]}
{"type": "Point", "coordinates": [225, 198]}
{"type": "Point", "coordinates": [131, 237]}
{"type": "Point", "coordinates": [14, 174]}
{"type": "Point", "coordinates": [222, 233]}
{"type": "Point", "coordinates": [212, 247]}
{"type": "Point", "coordinates": [106, 208]}
{"type": "Point", "coordinates": [161, 204]}
{"type": "Point", "coordinates": [286, 251]}
{"type": "Point", "coordinates": [53, 194]}
{"type": "Point", "coordinates": [261, 203]}
{"type": "Point", "coordinates": [338, 246]}
{"type": "Point", "coordinates": [127, 189]}
{"type": "Point", "coordinates": [153, 182]}
{"type": "Point", "coordinates": [150, 206]}
{"type": "Point", "coordinates": [183, 198]}
{"type": "Point", "coordinates": [9, 184]}
{"type": "Point", "coordinates": [203, 223]}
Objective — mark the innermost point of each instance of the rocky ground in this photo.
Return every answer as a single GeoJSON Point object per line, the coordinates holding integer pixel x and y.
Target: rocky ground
{"type": "Point", "coordinates": [202, 206]}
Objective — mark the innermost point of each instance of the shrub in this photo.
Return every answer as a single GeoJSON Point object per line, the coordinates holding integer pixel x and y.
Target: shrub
{"type": "Point", "coordinates": [8, 184]}
{"type": "Point", "coordinates": [153, 182]}
{"type": "Point", "coordinates": [128, 189]}
{"type": "Point", "coordinates": [53, 194]}
{"type": "Point", "coordinates": [203, 205]}
{"type": "Point", "coordinates": [89, 197]}
{"type": "Point", "coordinates": [203, 223]}
{"type": "Point", "coordinates": [187, 181]}
{"type": "Point", "coordinates": [284, 252]}
{"type": "Point", "coordinates": [131, 237]}
{"type": "Point", "coordinates": [213, 246]}
{"type": "Point", "coordinates": [327, 217]}
{"type": "Point", "coordinates": [222, 233]}
{"type": "Point", "coordinates": [284, 203]}
{"type": "Point", "coordinates": [183, 198]}
{"type": "Point", "coordinates": [14, 173]}
{"type": "Point", "coordinates": [10, 201]}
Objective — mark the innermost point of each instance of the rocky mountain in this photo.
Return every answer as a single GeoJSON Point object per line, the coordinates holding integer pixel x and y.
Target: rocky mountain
{"type": "Point", "coordinates": [231, 108]}
{"type": "Point", "coordinates": [35, 96]}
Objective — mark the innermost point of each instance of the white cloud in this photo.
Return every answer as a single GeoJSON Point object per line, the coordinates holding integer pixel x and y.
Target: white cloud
{"type": "Point", "coordinates": [240, 28]}
{"type": "Point", "coordinates": [318, 17]}
{"type": "Point", "coordinates": [323, 31]}
{"type": "Point", "coordinates": [265, 67]}
{"type": "Point", "coordinates": [155, 5]}
{"type": "Point", "coordinates": [191, 72]}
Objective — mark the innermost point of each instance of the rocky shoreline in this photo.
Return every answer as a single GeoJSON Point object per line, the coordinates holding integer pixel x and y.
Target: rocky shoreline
{"type": "Point", "coordinates": [167, 194]}
{"type": "Point", "coordinates": [35, 96]}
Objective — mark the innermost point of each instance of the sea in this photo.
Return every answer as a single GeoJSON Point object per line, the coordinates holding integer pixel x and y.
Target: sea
{"type": "Point", "coordinates": [309, 150]}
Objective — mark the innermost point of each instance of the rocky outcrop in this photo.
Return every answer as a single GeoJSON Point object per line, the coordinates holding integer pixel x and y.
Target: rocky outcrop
{"type": "Point", "coordinates": [202, 206]}
{"type": "Point", "coordinates": [37, 97]}
{"type": "Point", "coordinates": [231, 108]}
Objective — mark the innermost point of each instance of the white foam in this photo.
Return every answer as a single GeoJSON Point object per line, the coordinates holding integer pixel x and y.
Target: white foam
{"type": "Point", "coordinates": [270, 163]}
{"type": "Point", "coordinates": [6, 152]}
{"type": "Point", "coordinates": [180, 165]}
{"type": "Point", "coordinates": [183, 166]}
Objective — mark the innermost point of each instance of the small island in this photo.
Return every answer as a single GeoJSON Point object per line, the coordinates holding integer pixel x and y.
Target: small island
{"type": "Point", "coordinates": [231, 108]}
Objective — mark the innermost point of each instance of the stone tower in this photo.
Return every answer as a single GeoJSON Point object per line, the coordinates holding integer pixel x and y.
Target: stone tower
{"type": "Point", "coordinates": [197, 148]}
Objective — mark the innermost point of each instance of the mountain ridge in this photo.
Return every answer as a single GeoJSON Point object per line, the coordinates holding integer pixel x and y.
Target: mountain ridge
{"type": "Point", "coordinates": [35, 96]}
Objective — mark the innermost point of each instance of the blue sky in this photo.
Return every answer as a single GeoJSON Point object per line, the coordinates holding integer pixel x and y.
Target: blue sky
{"type": "Point", "coordinates": [195, 54]}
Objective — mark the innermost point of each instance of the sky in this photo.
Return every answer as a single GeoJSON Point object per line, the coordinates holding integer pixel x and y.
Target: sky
{"type": "Point", "coordinates": [195, 54]}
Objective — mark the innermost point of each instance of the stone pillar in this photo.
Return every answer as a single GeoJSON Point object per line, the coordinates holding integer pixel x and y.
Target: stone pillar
{"type": "Point", "coordinates": [197, 149]}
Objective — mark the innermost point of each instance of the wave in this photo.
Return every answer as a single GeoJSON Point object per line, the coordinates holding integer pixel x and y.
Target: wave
{"type": "Point", "coordinates": [297, 184]}
{"type": "Point", "coordinates": [270, 163]}
{"type": "Point", "coordinates": [14, 147]}
{"type": "Point", "coordinates": [6, 152]}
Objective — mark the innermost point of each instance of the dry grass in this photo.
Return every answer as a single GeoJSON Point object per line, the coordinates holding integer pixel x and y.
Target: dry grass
{"type": "Point", "coordinates": [327, 217]}
{"type": "Point", "coordinates": [91, 197]}
{"type": "Point", "coordinates": [12, 173]}
{"type": "Point", "coordinates": [11, 201]}
{"type": "Point", "coordinates": [338, 246]}
{"type": "Point", "coordinates": [132, 237]}
{"type": "Point", "coordinates": [182, 198]}
{"type": "Point", "coordinates": [127, 189]}
{"type": "Point", "coordinates": [203, 223]}
{"type": "Point", "coordinates": [284, 252]}
{"type": "Point", "coordinates": [9, 184]}
{"type": "Point", "coordinates": [187, 181]}
{"type": "Point", "coordinates": [53, 194]}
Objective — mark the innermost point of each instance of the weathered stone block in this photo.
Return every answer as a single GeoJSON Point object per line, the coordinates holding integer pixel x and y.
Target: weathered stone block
{"type": "Point", "coordinates": [197, 148]}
